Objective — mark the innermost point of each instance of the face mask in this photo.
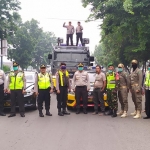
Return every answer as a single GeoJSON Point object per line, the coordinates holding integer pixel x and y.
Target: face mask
{"type": "Point", "coordinates": [110, 71]}
{"type": "Point", "coordinates": [15, 68]}
{"type": "Point", "coordinates": [120, 69]}
{"type": "Point", "coordinates": [148, 68]}
{"type": "Point", "coordinates": [80, 68]}
{"type": "Point", "coordinates": [63, 67]}
{"type": "Point", "coordinates": [134, 66]}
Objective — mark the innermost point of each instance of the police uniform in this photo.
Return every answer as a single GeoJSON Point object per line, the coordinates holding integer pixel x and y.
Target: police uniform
{"type": "Point", "coordinates": [136, 89]}
{"type": "Point", "coordinates": [147, 93]}
{"type": "Point", "coordinates": [16, 85]}
{"type": "Point", "coordinates": [43, 85]}
{"type": "Point", "coordinates": [62, 85]}
{"type": "Point", "coordinates": [112, 86]}
{"type": "Point", "coordinates": [2, 88]}
{"type": "Point", "coordinates": [81, 85]}
{"type": "Point", "coordinates": [123, 88]}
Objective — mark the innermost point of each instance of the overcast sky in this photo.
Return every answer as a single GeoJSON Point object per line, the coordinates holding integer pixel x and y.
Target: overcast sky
{"type": "Point", "coordinates": [44, 10]}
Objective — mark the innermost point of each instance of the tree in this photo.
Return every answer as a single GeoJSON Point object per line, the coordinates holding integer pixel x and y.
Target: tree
{"type": "Point", "coordinates": [125, 27]}
{"type": "Point", "coordinates": [6, 68]}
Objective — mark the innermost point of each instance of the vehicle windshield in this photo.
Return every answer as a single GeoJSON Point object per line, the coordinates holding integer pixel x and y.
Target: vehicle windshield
{"type": "Point", "coordinates": [30, 77]}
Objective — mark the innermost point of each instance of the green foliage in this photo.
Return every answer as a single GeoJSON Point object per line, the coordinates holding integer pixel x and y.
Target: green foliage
{"type": "Point", "coordinates": [6, 68]}
{"type": "Point", "coordinates": [125, 28]}
{"type": "Point", "coordinates": [31, 45]}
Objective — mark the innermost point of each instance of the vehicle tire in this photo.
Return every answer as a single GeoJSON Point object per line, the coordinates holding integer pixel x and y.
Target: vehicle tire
{"type": "Point", "coordinates": [69, 108]}
{"type": "Point", "coordinates": [34, 108]}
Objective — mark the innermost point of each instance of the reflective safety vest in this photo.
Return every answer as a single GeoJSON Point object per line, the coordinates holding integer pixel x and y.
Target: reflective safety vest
{"type": "Point", "coordinates": [147, 80]}
{"type": "Point", "coordinates": [111, 83]}
{"type": "Point", "coordinates": [16, 81]}
{"type": "Point", "coordinates": [44, 81]}
{"type": "Point", "coordinates": [61, 77]}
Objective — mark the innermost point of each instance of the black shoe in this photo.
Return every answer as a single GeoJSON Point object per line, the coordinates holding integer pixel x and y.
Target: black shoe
{"type": "Point", "coordinates": [41, 115]}
{"type": "Point", "coordinates": [65, 112]}
{"type": "Point", "coordinates": [146, 117]}
{"type": "Point", "coordinates": [114, 114]}
{"type": "Point", "coordinates": [84, 111]}
{"type": "Point", "coordinates": [22, 115]}
{"type": "Point", "coordinates": [78, 111]}
{"type": "Point", "coordinates": [2, 114]}
{"type": "Point", "coordinates": [110, 112]}
{"type": "Point", "coordinates": [11, 115]}
{"type": "Point", "coordinates": [60, 113]}
{"type": "Point", "coordinates": [48, 113]}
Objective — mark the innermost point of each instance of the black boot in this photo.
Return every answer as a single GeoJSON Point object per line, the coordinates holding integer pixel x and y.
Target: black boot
{"type": "Point", "coordinates": [41, 113]}
{"type": "Point", "coordinates": [48, 113]}
{"type": "Point", "coordinates": [2, 114]}
{"type": "Point", "coordinates": [78, 111]}
{"type": "Point", "coordinates": [65, 112]}
{"type": "Point", "coordinates": [22, 115]}
{"type": "Point", "coordinates": [84, 111]}
{"type": "Point", "coordinates": [110, 112]}
{"type": "Point", "coordinates": [114, 113]}
{"type": "Point", "coordinates": [11, 115]}
{"type": "Point", "coordinates": [60, 113]}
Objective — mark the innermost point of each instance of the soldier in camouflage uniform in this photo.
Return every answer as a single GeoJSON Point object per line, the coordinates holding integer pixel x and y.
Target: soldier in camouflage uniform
{"type": "Point", "coordinates": [136, 89]}
{"type": "Point", "coordinates": [111, 91]}
{"type": "Point", "coordinates": [123, 88]}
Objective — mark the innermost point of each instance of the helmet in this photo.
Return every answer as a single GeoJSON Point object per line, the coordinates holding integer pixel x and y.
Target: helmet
{"type": "Point", "coordinates": [121, 65]}
{"type": "Point", "coordinates": [134, 61]}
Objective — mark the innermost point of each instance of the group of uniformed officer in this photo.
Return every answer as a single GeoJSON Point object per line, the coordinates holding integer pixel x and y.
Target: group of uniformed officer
{"type": "Point", "coordinates": [116, 84]}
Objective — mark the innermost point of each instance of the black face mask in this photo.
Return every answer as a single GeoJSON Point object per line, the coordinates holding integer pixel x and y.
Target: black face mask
{"type": "Point", "coordinates": [134, 66]}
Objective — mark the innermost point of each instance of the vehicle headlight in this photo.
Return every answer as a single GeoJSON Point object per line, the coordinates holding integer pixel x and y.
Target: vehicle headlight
{"type": "Point", "coordinates": [72, 92]}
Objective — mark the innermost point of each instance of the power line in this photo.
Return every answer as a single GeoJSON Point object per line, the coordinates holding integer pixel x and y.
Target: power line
{"type": "Point", "coordinates": [71, 19]}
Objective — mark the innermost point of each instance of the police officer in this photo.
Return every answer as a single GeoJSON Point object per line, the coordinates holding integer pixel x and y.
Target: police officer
{"type": "Point", "coordinates": [2, 91]}
{"type": "Point", "coordinates": [16, 88]}
{"type": "Point", "coordinates": [136, 89]}
{"type": "Point", "coordinates": [99, 87]}
{"type": "Point", "coordinates": [112, 86]}
{"type": "Point", "coordinates": [147, 93]}
{"type": "Point", "coordinates": [123, 88]}
{"type": "Point", "coordinates": [62, 87]}
{"type": "Point", "coordinates": [81, 86]}
{"type": "Point", "coordinates": [43, 87]}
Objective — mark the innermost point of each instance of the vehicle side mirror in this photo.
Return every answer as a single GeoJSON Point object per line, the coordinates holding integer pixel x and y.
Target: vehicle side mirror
{"type": "Point", "coordinates": [91, 58]}
{"type": "Point", "coordinates": [49, 56]}
{"type": "Point", "coordinates": [91, 64]}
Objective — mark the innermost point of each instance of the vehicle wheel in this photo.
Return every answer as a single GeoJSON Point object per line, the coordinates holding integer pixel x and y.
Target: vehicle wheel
{"type": "Point", "coordinates": [69, 108]}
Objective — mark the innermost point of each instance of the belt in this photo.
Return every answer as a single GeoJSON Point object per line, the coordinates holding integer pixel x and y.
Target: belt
{"type": "Point", "coordinates": [134, 85]}
{"type": "Point", "coordinates": [81, 86]}
{"type": "Point", "coordinates": [123, 87]}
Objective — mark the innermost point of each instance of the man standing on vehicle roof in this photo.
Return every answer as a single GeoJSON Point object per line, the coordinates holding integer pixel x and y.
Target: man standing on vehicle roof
{"type": "Point", "coordinates": [136, 89]}
{"type": "Point", "coordinates": [112, 86]}
{"type": "Point", "coordinates": [2, 91]}
{"type": "Point", "coordinates": [16, 88]}
{"type": "Point", "coordinates": [123, 89]}
{"type": "Point", "coordinates": [43, 87]}
{"type": "Point", "coordinates": [79, 33]}
{"type": "Point", "coordinates": [62, 87]}
{"type": "Point", "coordinates": [99, 87]}
{"type": "Point", "coordinates": [81, 86]}
{"type": "Point", "coordinates": [70, 32]}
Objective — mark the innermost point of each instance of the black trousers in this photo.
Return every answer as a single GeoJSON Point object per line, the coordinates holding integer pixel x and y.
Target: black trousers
{"type": "Point", "coordinates": [1, 97]}
{"type": "Point", "coordinates": [44, 95]}
{"type": "Point", "coordinates": [79, 36]}
{"type": "Point", "coordinates": [147, 102]}
{"type": "Point", "coordinates": [70, 36]}
{"type": "Point", "coordinates": [16, 95]}
{"type": "Point", "coordinates": [62, 97]}
{"type": "Point", "coordinates": [81, 92]}
{"type": "Point", "coordinates": [98, 96]}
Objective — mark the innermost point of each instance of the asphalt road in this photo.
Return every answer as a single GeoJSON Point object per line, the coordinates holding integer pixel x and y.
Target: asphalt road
{"type": "Point", "coordinates": [74, 132]}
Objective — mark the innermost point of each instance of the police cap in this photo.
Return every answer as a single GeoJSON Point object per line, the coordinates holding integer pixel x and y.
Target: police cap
{"type": "Point", "coordinates": [15, 64]}
{"type": "Point", "coordinates": [120, 66]}
{"type": "Point", "coordinates": [80, 65]}
{"type": "Point", "coordinates": [134, 61]}
{"type": "Point", "coordinates": [42, 66]}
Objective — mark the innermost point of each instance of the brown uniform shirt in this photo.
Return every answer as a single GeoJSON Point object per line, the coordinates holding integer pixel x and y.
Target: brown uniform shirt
{"type": "Point", "coordinates": [81, 79]}
{"type": "Point", "coordinates": [136, 78]}
{"type": "Point", "coordinates": [99, 80]}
